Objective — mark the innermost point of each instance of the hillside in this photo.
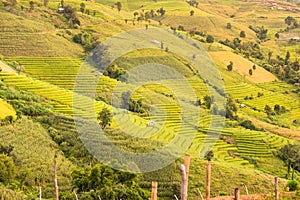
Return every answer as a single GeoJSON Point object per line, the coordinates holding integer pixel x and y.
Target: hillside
{"type": "Point", "coordinates": [177, 77]}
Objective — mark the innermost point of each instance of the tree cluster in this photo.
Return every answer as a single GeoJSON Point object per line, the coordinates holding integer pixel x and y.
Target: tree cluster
{"type": "Point", "coordinates": [103, 182]}
{"type": "Point", "coordinates": [115, 72]}
{"type": "Point", "coordinates": [290, 154]}
{"type": "Point", "coordinates": [193, 3]}
{"type": "Point", "coordinates": [261, 32]}
{"type": "Point", "coordinates": [86, 39]}
{"type": "Point", "coordinates": [71, 15]}
{"type": "Point", "coordinates": [132, 105]}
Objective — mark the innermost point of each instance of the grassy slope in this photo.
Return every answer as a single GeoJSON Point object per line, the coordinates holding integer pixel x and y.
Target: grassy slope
{"type": "Point", "coordinates": [212, 22]}
{"type": "Point", "coordinates": [242, 66]}
{"type": "Point", "coordinates": [34, 151]}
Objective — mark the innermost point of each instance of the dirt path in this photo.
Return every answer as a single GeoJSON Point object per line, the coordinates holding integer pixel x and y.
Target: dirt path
{"type": "Point", "coordinates": [6, 68]}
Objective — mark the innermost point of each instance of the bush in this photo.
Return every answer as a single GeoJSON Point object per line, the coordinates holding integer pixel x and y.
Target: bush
{"type": "Point", "coordinates": [210, 39]}
{"type": "Point", "coordinates": [223, 193]}
{"type": "Point", "coordinates": [292, 185]}
{"type": "Point", "coordinates": [248, 125]}
{"type": "Point", "coordinates": [242, 34]}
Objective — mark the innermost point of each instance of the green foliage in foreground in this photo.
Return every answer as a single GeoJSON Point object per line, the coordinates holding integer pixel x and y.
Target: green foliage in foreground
{"type": "Point", "coordinates": [107, 183]}
{"type": "Point", "coordinates": [290, 154]}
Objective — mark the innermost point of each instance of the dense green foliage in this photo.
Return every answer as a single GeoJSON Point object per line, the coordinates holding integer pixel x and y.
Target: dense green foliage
{"type": "Point", "coordinates": [290, 154]}
{"type": "Point", "coordinates": [107, 183]}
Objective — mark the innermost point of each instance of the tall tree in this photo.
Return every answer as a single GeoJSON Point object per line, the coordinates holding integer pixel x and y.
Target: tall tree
{"type": "Point", "coordinates": [287, 57]}
{"type": "Point", "coordinates": [82, 7]}
{"type": "Point", "coordinates": [119, 6]}
{"type": "Point", "coordinates": [290, 154]}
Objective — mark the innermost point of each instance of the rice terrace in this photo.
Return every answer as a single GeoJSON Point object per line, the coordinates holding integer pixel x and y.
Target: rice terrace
{"type": "Point", "coordinates": [149, 99]}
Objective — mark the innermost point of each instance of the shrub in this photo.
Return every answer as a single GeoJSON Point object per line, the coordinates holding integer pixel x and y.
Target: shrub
{"type": "Point", "coordinates": [259, 94]}
{"type": "Point", "coordinates": [248, 125]}
{"type": "Point", "coordinates": [230, 66]}
{"type": "Point", "coordinates": [223, 193]}
{"type": "Point", "coordinates": [228, 26]}
{"type": "Point", "coordinates": [292, 185]}
{"type": "Point", "coordinates": [210, 39]}
{"type": "Point", "coordinates": [242, 34]}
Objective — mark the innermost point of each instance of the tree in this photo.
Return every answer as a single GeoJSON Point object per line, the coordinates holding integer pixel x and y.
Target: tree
{"type": "Point", "coordinates": [105, 117]}
{"type": "Point", "coordinates": [287, 57]}
{"type": "Point", "coordinates": [86, 39]}
{"type": "Point", "coordinates": [115, 72]}
{"type": "Point", "coordinates": [231, 109]}
{"type": "Point", "coordinates": [31, 3]}
{"type": "Point", "coordinates": [230, 66]}
{"type": "Point", "coordinates": [82, 6]}
{"type": "Point", "coordinates": [289, 20]}
{"type": "Point", "coordinates": [277, 109]}
{"type": "Point", "coordinates": [210, 39]}
{"type": "Point", "coordinates": [71, 15]}
{"type": "Point", "coordinates": [108, 183]}
{"type": "Point", "coordinates": [209, 155]}
{"type": "Point", "coordinates": [250, 72]}
{"type": "Point", "coordinates": [192, 13]}
{"type": "Point", "coordinates": [62, 3]}
{"type": "Point", "coordinates": [268, 110]}
{"type": "Point", "coordinates": [290, 154]}
{"type": "Point", "coordinates": [161, 11]}
{"type": "Point", "coordinates": [242, 34]}
{"type": "Point", "coordinates": [270, 53]}
{"type": "Point", "coordinates": [228, 26]}
{"type": "Point", "coordinates": [207, 101]}
{"type": "Point", "coordinates": [119, 6]}
{"type": "Point", "coordinates": [248, 125]}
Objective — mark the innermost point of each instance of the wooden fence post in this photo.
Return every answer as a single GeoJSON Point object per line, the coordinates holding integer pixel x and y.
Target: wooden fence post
{"type": "Point", "coordinates": [154, 191]}
{"type": "Point", "coordinates": [183, 182]}
{"type": "Point", "coordinates": [247, 192]}
{"type": "Point", "coordinates": [276, 188]}
{"type": "Point", "coordinates": [55, 178]}
{"type": "Point", "coordinates": [236, 194]}
{"type": "Point", "coordinates": [187, 160]}
{"type": "Point", "coordinates": [208, 170]}
{"type": "Point", "coordinates": [40, 190]}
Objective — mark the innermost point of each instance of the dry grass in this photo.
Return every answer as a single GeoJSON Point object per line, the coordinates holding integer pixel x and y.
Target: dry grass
{"type": "Point", "coordinates": [6, 68]}
{"type": "Point", "coordinates": [242, 66]}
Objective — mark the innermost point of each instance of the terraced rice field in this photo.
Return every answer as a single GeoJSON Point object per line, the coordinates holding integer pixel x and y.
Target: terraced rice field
{"type": "Point", "coordinates": [62, 99]}
{"type": "Point", "coordinates": [170, 126]}
{"type": "Point", "coordinates": [270, 97]}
